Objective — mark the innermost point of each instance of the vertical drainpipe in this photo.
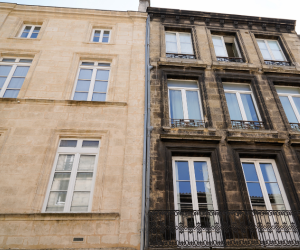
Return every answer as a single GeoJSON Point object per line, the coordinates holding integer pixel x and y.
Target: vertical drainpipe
{"type": "Point", "coordinates": [146, 153]}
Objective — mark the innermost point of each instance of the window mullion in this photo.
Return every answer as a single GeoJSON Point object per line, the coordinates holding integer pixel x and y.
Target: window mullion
{"type": "Point", "coordinates": [294, 107]}
{"type": "Point", "coordinates": [193, 184]}
{"type": "Point", "coordinates": [30, 32]}
{"type": "Point", "coordinates": [255, 106]}
{"type": "Point", "coordinates": [241, 106]}
{"type": "Point", "coordinates": [71, 187]}
{"type": "Point", "coordinates": [178, 43]}
{"type": "Point", "coordinates": [90, 95]}
{"type": "Point", "coordinates": [224, 47]}
{"type": "Point", "coordinates": [184, 104]}
{"type": "Point", "coordinates": [101, 36]}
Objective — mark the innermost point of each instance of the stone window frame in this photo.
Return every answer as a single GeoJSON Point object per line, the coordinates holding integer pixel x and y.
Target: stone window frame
{"type": "Point", "coordinates": [179, 27]}
{"type": "Point", "coordinates": [191, 149]}
{"type": "Point", "coordinates": [239, 40]}
{"type": "Point", "coordinates": [287, 81]}
{"type": "Point", "coordinates": [182, 74]}
{"type": "Point", "coordinates": [273, 36]}
{"type": "Point", "coordinates": [88, 38]}
{"type": "Point", "coordinates": [274, 152]}
{"type": "Point", "coordinates": [257, 93]}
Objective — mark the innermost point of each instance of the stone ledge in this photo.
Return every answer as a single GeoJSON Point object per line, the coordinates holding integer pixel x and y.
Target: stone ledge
{"type": "Point", "coordinates": [58, 216]}
{"type": "Point", "coordinates": [189, 129]}
{"type": "Point", "coordinates": [233, 65]}
{"type": "Point", "coordinates": [181, 62]}
{"type": "Point", "coordinates": [62, 102]}
{"type": "Point", "coordinates": [255, 139]}
{"type": "Point", "coordinates": [190, 137]}
{"type": "Point", "coordinates": [252, 131]}
{"type": "Point", "coordinates": [281, 69]}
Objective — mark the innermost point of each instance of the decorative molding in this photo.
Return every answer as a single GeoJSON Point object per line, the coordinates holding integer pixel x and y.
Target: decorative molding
{"type": "Point", "coordinates": [235, 24]}
{"type": "Point", "coordinates": [192, 20]}
{"type": "Point", "coordinates": [289, 28]}
{"type": "Point", "coordinates": [162, 18]}
{"type": "Point", "coordinates": [250, 25]}
{"type": "Point", "coordinates": [277, 26]}
{"type": "Point", "coordinates": [264, 26]}
{"type": "Point", "coordinates": [222, 22]}
{"type": "Point", "coordinates": [177, 19]}
{"type": "Point", "coordinates": [207, 21]}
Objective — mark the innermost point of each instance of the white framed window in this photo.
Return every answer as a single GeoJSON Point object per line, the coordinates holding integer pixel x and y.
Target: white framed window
{"type": "Point", "coordinates": [12, 75]}
{"type": "Point", "coordinates": [72, 179]}
{"type": "Point", "coordinates": [179, 43]}
{"type": "Point", "coordinates": [92, 81]}
{"type": "Point", "coordinates": [30, 31]}
{"type": "Point", "coordinates": [226, 46]}
{"type": "Point", "coordinates": [184, 100]}
{"type": "Point", "coordinates": [290, 100]}
{"type": "Point", "coordinates": [271, 50]}
{"type": "Point", "coordinates": [101, 36]}
{"type": "Point", "coordinates": [241, 102]}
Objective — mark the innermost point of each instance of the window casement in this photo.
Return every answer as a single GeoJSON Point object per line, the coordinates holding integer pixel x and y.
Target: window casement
{"type": "Point", "coordinates": [100, 36]}
{"type": "Point", "coordinates": [193, 190]}
{"type": "Point", "coordinates": [290, 100]}
{"type": "Point", "coordinates": [30, 31]}
{"type": "Point", "coordinates": [272, 52]}
{"type": "Point", "coordinates": [72, 179]}
{"type": "Point", "coordinates": [12, 75]}
{"type": "Point", "coordinates": [92, 81]}
{"type": "Point", "coordinates": [185, 103]}
{"type": "Point", "coordinates": [227, 49]}
{"type": "Point", "coordinates": [179, 44]}
{"type": "Point", "coordinates": [242, 107]}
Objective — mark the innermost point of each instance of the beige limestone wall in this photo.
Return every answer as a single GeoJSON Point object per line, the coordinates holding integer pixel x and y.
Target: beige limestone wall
{"type": "Point", "coordinates": [31, 126]}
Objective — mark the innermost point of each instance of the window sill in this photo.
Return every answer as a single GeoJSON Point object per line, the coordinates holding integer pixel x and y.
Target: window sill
{"type": "Point", "coordinates": [180, 61]}
{"type": "Point", "coordinates": [58, 216]}
{"type": "Point", "coordinates": [24, 39]}
{"type": "Point", "coordinates": [233, 65]}
{"type": "Point", "coordinates": [276, 68]}
{"type": "Point", "coordinates": [165, 128]}
{"type": "Point", "coordinates": [63, 102]}
{"type": "Point", "coordinates": [96, 43]}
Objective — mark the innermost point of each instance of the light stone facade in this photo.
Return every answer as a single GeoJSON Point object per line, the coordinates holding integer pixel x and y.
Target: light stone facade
{"type": "Point", "coordinates": [44, 112]}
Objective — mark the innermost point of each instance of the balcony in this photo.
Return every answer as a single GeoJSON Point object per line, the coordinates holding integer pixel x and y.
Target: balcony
{"type": "Point", "coordinates": [277, 63]}
{"type": "Point", "coordinates": [182, 56]}
{"type": "Point", "coordinates": [295, 126]}
{"type": "Point", "coordinates": [185, 123]}
{"type": "Point", "coordinates": [257, 125]}
{"type": "Point", "coordinates": [230, 229]}
{"type": "Point", "coordinates": [230, 59]}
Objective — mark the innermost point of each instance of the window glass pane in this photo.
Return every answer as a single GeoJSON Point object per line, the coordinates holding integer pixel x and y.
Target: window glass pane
{"type": "Point", "coordinates": [201, 171]}
{"type": "Point", "coordinates": [88, 63]}
{"type": "Point", "coordinates": [86, 163]}
{"type": "Point", "coordinates": [24, 34]}
{"type": "Point", "coordinates": [97, 33]}
{"type": "Point", "coordinates": [220, 52]}
{"type": "Point", "coordinates": [176, 108]}
{"type": "Point", "coordinates": [2, 81]}
{"type": "Point", "coordinates": [203, 192]}
{"type": "Point", "coordinates": [268, 172]}
{"type": "Point", "coordinates": [36, 29]}
{"type": "Point", "coordinates": [274, 193]}
{"type": "Point", "coordinates": [34, 35]}
{"type": "Point", "coordinates": [79, 96]}
{"type": "Point", "coordinates": [186, 48]}
{"type": "Point", "coordinates": [193, 105]}
{"type": "Point", "coordinates": [262, 44]}
{"type": "Point", "coordinates": [105, 39]}
{"type": "Point", "coordinates": [278, 56]}
{"type": "Point", "coordinates": [171, 37]}
{"type": "Point", "coordinates": [85, 74]}
{"type": "Point", "coordinates": [4, 70]}
{"type": "Point", "coordinates": [83, 182]}
{"type": "Point", "coordinates": [287, 90]}
{"type": "Point", "coordinates": [288, 109]}
{"type": "Point", "coordinates": [8, 59]}
{"type": "Point", "coordinates": [219, 47]}
{"type": "Point", "coordinates": [99, 97]}
{"type": "Point", "coordinates": [68, 143]}
{"type": "Point", "coordinates": [102, 74]}
{"type": "Point", "coordinates": [80, 201]}
{"type": "Point", "coordinates": [100, 86]}
{"type": "Point", "coordinates": [16, 82]}
{"type": "Point", "coordinates": [171, 47]}
{"type": "Point", "coordinates": [182, 168]}
{"type": "Point", "coordinates": [183, 84]}
{"type": "Point", "coordinates": [60, 182]}
{"type": "Point", "coordinates": [237, 87]}
{"type": "Point", "coordinates": [90, 144]}
{"type": "Point", "coordinates": [249, 107]}
{"type": "Point", "coordinates": [96, 39]}
{"type": "Point", "coordinates": [56, 201]}
{"type": "Point", "coordinates": [264, 50]}
{"type": "Point", "coordinates": [250, 172]}
{"type": "Point", "coordinates": [273, 45]}
{"type": "Point", "coordinates": [25, 60]}
{"type": "Point", "coordinates": [106, 33]}
{"type": "Point", "coordinates": [21, 71]}
{"type": "Point", "coordinates": [11, 93]}
{"type": "Point", "coordinates": [217, 41]}
{"type": "Point", "coordinates": [104, 64]}
{"type": "Point", "coordinates": [297, 103]}
{"type": "Point", "coordinates": [255, 193]}
{"type": "Point", "coordinates": [184, 194]}
{"type": "Point", "coordinates": [64, 162]}
{"type": "Point", "coordinates": [27, 28]}
{"type": "Point", "coordinates": [83, 85]}
{"type": "Point", "coordinates": [233, 106]}
{"type": "Point", "coordinates": [185, 38]}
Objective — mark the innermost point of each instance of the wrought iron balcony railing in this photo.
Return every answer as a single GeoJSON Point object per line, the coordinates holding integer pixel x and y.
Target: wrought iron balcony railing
{"type": "Point", "coordinates": [295, 126]}
{"type": "Point", "coordinates": [230, 59]}
{"type": "Point", "coordinates": [185, 123]}
{"type": "Point", "coordinates": [183, 56]}
{"type": "Point", "coordinates": [278, 63]}
{"type": "Point", "coordinates": [256, 228]}
{"type": "Point", "coordinates": [236, 124]}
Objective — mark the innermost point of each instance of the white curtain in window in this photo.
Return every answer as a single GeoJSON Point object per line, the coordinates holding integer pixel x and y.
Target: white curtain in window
{"type": "Point", "coordinates": [186, 43]}
{"type": "Point", "coordinates": [233, 106]}
{"type": "Point", "coordinates": [219, 46]}
{"type": "Point", "coordinates": [193, 105]}
{"type": "Point", "coordinates": [176, 108]}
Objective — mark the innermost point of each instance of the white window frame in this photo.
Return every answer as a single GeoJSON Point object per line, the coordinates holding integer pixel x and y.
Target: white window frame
{"type": "Point", "coordinates": [30, 32]}
{"type": "Point", "coordinates": [12, 71]}
{"type": "Point", "coordinates": [94, 67]}
{"type": "Point", "coordinates": [290, 97]}
{"type": "Point", "coordinates": [178, 42]}
{"type": "Point", "coordinates": [224, 46]}
{"type": "Point", "coordinates": [77, 151]}
{"type": "Point", "coordinates": [239, 99]}
{"type": "Point", "coordinates": [256, 163]}
{"type": "Point", "coordinates": [269, 49]}
{"type": "Point", "coordinates": [101, 35]}
{"type": "Point", "coordinates": [183, 98]}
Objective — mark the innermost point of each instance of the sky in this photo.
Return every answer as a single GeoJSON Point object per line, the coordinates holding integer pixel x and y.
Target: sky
{"type": "Point", "coordinates": [288, 9]}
